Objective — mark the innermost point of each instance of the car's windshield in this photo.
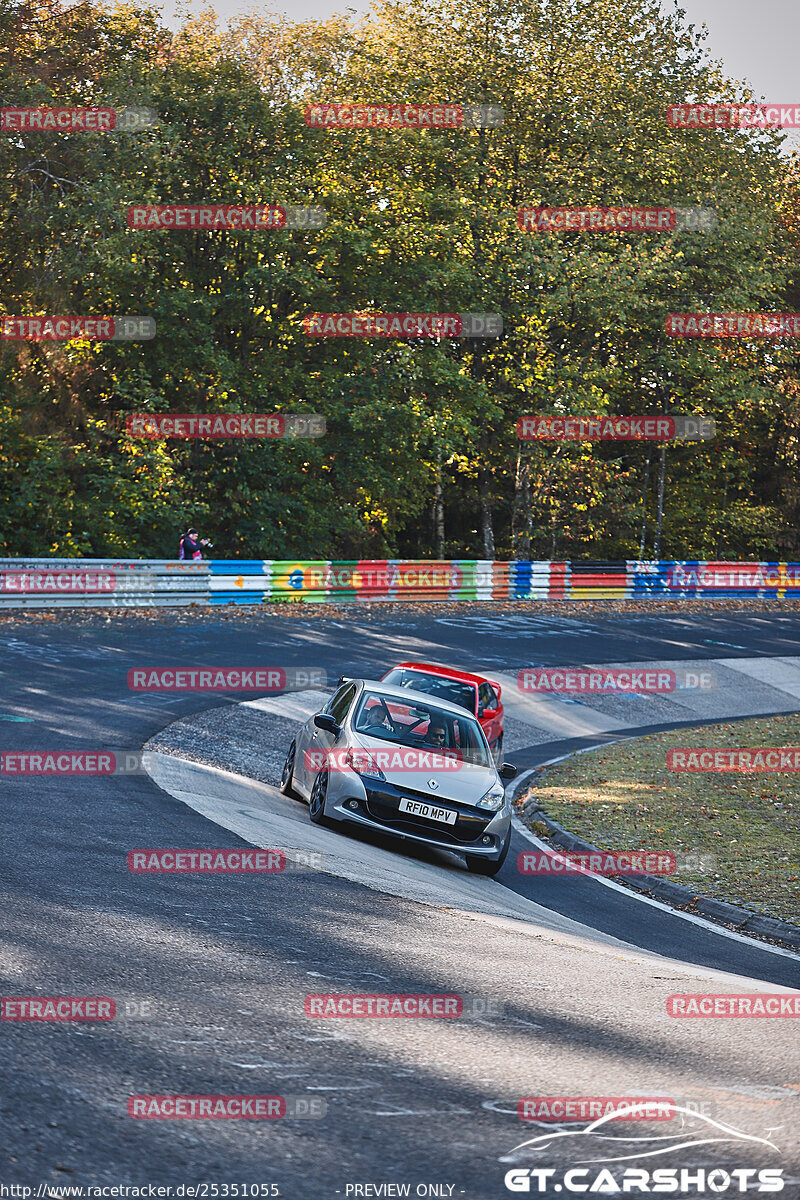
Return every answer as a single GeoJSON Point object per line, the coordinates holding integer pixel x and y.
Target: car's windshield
{"type": "Point", "coordinates": [421, 725]}
{"type": "Point", "coordinates": [451, 690]}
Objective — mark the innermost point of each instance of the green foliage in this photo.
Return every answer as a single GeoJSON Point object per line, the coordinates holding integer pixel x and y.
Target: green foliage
{"type": "Point", "coordinates": [417, 222]}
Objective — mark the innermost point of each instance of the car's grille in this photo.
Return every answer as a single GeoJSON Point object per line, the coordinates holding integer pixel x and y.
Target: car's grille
{"type": "Point", "coordinates": [382, 805]}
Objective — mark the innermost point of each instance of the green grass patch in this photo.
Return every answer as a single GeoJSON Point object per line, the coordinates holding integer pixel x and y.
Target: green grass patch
{"type": "Point", "coordinates": [736, 836]}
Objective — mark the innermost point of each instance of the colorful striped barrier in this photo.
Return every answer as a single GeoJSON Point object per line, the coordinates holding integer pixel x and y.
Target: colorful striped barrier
{"type": "Point", "coordinates": [387, 579]}
{"type": "Point", "coordinates": [132, 583]}
{"type": "Point", "coordinates": [704, 580]}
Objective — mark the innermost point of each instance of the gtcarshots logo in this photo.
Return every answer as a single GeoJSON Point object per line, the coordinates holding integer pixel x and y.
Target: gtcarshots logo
{"type": "Point", "coordinates": [652, 428]}
{"type": "Point", "coordinates": [612, 680]}
{"type": "Point", "coordinates": [374, 762]}
{"type": "Point", "coordinates": [403, 325]}
{"type": "Point", "coordinates": [714, 760]}
{"type": "Point", "coordinates": [599, 1151]}
{"type": "Point", "coordinates": [663, 1180]}
{"type": "Point", "coordinates": [58, 582]}
{"type": "Point", "coordinates": [225, 679]}
{"type": "Point", "coordinates": [224, 425]}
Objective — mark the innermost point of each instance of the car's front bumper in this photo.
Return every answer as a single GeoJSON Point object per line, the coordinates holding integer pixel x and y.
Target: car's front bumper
{"type": "Point", "coordinates": [374, 805]}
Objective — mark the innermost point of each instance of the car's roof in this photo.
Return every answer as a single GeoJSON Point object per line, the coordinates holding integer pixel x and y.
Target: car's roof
{"type": "Point", "coordinates": [445, 672]}
{"type": "Point", "coordinates": [409, 695]}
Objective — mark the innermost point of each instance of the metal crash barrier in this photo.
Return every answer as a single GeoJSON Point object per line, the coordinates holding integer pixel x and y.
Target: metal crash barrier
{"type": "Point", "coordinates": [101, 583]}
{"type": "Point", "coordinates": [143, 583]}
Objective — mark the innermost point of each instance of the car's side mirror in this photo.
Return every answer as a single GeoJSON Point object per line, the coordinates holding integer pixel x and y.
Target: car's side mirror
{"type": "Point", "coordinates": [488, 713]}
{"type": "Point", "coordinates": [325, 721]}
{"type": "Point", "coordinates": [507, 771]}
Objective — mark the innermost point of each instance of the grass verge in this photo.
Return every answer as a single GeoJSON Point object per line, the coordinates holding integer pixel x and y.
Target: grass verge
{"type": "Point", "coordinates": [736, 836]}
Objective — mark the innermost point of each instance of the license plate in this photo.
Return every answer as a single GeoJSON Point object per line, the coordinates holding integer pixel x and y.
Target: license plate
{"type": "Point", "coordinates": [429, 812]}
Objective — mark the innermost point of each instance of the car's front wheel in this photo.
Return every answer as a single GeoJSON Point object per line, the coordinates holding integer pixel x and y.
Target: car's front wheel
{"type": "Point", "coordinates": [316, 803]}
{"type": "Point", "coordinates": [286, 785]}
{"type": "Point", "coordinates": [488, 866]}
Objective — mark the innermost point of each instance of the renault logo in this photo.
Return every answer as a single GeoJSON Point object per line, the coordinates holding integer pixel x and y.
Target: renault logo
{"type": "Point", "coordinates": [432, 784]}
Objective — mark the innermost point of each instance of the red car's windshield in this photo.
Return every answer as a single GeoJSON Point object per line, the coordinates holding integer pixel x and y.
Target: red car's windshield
{"type": "Point", "coordinates": [451, 690]}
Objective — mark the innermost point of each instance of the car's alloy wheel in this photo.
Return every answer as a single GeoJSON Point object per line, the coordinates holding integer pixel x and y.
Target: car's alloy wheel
{"type": "Point", "coordinates": [488, 866]}
{"type": "Point", "coordinates": [316, 804]}
{"type": "Point", "coordinates": [287, 774]}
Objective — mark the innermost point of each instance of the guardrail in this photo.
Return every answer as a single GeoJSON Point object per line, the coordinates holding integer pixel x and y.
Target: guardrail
{"type": "Point", "coordinates": [144, 583]}
{"type": "Point", "coordinates": [101, 583]}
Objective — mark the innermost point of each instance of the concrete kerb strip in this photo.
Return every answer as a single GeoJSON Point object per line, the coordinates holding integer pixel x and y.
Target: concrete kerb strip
{"type": "Point", "coordinates": [677, 895]}
{"type": "Point", "coordinates": [245, 807]}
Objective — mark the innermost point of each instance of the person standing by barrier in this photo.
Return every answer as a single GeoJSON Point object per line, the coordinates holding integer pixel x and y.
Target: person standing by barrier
{"type": "Point", "coordinates": [190, 546]}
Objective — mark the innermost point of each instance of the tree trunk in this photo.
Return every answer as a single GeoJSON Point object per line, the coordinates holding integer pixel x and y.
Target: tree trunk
{"type": "Point", "coordinates": [662, 470]}
{"type": "Point", "coordinates": [522, 518]}
{"type": "Point", "coordinates": [437, 517]}
{"type": "Point", "coordinates": [487, 528]}
{"type": "Point", "coordinates": [644, 504]}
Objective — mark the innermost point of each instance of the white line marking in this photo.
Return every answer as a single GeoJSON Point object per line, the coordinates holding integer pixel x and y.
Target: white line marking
{"type": "Point", "coordinates": [676, 912]}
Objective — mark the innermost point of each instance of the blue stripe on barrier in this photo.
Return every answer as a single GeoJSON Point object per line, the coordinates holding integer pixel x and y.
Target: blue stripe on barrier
{"type": "Point", "coordinates": [238, 597]}
{"type": "Point", "coordinates": [256, 566]}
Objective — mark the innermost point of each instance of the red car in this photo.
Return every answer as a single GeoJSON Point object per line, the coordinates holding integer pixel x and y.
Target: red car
{"type": "Point", "coordinates": [479, 696]}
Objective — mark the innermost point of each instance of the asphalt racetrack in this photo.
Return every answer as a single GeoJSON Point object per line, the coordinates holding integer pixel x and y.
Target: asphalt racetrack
{"type": "Point", "coordinates": [566, 980]}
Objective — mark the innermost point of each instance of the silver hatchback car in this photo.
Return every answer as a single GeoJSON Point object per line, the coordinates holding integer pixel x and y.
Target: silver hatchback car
{"type": "Point", "coordinates": [399, 762]}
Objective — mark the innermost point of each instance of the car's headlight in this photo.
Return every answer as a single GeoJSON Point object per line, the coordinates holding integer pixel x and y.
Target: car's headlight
{"type": "Point", "coordinates": [362, 762]}
{"type": "Point", "coordinates": [494, 797]}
